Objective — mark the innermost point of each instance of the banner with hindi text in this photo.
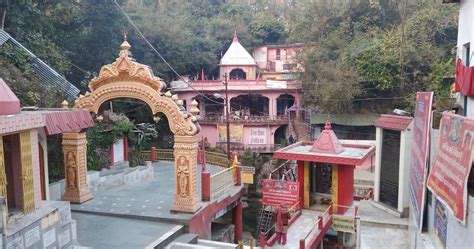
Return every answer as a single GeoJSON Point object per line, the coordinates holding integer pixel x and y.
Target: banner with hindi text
{"type": "Point", "coordinates": [419, 154]}
{"type": "Point", "coordinates": [236, 133]}
{"type": "Point", "coordinates": [450, 169]}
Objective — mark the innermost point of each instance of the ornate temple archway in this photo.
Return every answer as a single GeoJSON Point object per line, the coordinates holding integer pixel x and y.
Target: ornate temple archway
{"type": "Point", "coordinates": [125, 78]}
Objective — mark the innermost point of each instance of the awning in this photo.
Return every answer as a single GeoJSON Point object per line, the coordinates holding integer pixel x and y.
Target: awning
{"type": "Point", "coordinates": [393, 122]}
{"type": "Point", "coordinates": [345, 119]}
{"type": "Point", "coordinates": [68, 120]}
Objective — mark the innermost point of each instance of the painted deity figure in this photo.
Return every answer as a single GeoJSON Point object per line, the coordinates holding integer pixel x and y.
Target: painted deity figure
{"type": "Point", "coordinates": [183, 174]}
{"type": "Point", "coordinates": [71, 169]}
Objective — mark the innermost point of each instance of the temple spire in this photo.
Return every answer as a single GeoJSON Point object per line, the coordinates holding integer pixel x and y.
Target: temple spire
{"type": "Point", "coordinates": [328, 123]}
{"type": "Point", "coordinates": [236, 39]}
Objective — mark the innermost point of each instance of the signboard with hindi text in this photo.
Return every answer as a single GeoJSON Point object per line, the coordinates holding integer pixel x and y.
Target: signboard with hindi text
{"type": "Point", "coordinates": [343, 223]}
{"type": "Point", "coordinates": [275, 192]}
{"type": "Point", "coordinates": [419, 154]}
{"type": "Point", "coordinates": [258, 136]}
{"type": "Point", "coordinates": [450, 169]}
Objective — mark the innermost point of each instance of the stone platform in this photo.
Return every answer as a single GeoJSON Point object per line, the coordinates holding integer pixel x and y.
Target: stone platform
{"type": "Point", "coordinates": [139, 215]}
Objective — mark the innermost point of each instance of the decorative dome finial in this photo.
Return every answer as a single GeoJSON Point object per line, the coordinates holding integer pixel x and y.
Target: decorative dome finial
{"type": "Point", "coordinates": [125, 45]}
{"type": "Point", "coordinates": [328, 123]}
{"type": "Point", "coordinates": [236, 39]}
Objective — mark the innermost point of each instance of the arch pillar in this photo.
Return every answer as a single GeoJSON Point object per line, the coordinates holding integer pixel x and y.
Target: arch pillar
{"type": "Point", "coordinates": [186, 191]}
{"type": "Point", "coordinates": [75, 167]}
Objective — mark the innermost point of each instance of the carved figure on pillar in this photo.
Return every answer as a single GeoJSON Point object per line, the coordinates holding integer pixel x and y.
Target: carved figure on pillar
{"type": "Point", "coordinates": [183, 176]}
{"type": "Point", "coordinates": [75, 167]}
{"type": "Point", "coordinates": [71, 170]}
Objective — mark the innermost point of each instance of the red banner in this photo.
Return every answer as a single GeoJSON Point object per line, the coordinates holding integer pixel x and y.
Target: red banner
{"type": "Point", "coordinates": [276, 192]}
{"type": "Point", "coordinates": [450, 170]}
{"type": "Point", "coordinates": [419, 153]}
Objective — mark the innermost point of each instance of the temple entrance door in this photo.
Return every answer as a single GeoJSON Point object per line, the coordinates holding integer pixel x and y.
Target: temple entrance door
{"type": "Point", "coordinates": [389, 170]}
{"type": "Point", "coordinates": [42, 173]}
{"type": "Point", "coordinates": [321, 183]}
{"type": "Point", "coordinates": [11, 148]}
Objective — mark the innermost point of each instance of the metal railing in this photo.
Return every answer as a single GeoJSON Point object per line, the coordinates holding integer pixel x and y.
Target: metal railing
{"type": "Point", "coordinates": [284, 171]}
{"type": "Point", "coordinates": [252, 147]}
{"type": "Point", "coordinates": [165, 154]}
{"type": "Point", "coordinates": [221, 182]}
{"type": "Point", "coordinates": [145, 155]}
{"type": "Point", "coordinates": [217, 159]}
{"type": "Point", "coordinates": [322, 222]}
{"type": "Point", "coordinates": [213, 158]}
{"type": "Point", "coordinates": [246, 119]}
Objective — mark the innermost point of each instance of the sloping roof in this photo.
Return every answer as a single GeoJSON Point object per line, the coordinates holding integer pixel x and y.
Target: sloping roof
{"type": "Point", "coordinates": [393, 122]}
{"type": "Point", "coordinates": [346, 119]}
{"type": "Point", "coordinates": [237, 54]}
{"type": "Point", "coordinates": [327, 142]}
{"type": "Point", "coordinates": [69, 120]}
{"type": "Point", "coordinates": [9, 103]}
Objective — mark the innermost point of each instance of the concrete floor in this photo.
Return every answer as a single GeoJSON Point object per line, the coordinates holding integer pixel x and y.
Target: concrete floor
{"type": "Point", "coordinates": [305, 224]}
{"type": "Point", "coordinates": [380, 229]}
{"type": "Point", "coordinates": [104, 232]}
{"type": "Point", "coordinates": [150, 200]}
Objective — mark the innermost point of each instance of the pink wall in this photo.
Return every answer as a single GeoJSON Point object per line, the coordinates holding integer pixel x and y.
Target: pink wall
{"type": "Point", "coordinates": [209, 132]}
{"type": "Point", "coordinates": [263, 55]}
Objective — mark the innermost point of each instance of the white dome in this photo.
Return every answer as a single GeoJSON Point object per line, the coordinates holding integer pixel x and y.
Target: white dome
{"type": "Point", "coordinates": [237, 55]}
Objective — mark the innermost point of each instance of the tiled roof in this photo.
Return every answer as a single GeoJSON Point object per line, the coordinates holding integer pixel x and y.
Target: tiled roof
{"type": "Point", "coordinates": [393, 122]}
{"type": "Point", "coordinates": [63, 121]}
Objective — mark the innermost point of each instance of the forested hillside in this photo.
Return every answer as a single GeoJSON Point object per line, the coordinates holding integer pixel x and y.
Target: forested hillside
{"type": "Point", "coordinates": [367, 51]}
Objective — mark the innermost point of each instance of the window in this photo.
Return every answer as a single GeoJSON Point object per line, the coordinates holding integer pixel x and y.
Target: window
{"type": "Point", "coordinates": [238, 74]}
{"type": "Point", "coordinates": [278, 55]}
{"type": "Point", "coordinates": [467, 53]}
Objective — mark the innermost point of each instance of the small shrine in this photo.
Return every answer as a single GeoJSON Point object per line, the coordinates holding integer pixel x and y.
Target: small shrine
{"type": "Point", "coordinates": [326, 168]}
{"type": "Point", "coordinates": [27, 212]}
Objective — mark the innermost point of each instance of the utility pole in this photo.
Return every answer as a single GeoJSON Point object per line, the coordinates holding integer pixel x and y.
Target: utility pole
{"type": "Point", "coordinates": [227, 118]}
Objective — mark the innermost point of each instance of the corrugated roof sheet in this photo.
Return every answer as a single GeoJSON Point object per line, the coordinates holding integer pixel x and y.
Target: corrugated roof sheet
{"type": "Point", "coordinates": [63, 121]}
{"type": "Point", "coordinates": [45, 73]}
{"type": "Point", "coordinates": [346, 119]}
{"type": "Point", "coordinates": [393, 122]}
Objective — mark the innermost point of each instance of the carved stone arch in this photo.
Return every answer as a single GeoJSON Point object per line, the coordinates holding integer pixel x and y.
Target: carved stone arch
{"type": "Point", "coordinates": [125, 78]}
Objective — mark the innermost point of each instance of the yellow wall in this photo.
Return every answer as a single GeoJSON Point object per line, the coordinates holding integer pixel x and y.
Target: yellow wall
{"type": "Point", "coordinates": [307, 201]}
{"type": "Point", "coordinates": [335, 178]}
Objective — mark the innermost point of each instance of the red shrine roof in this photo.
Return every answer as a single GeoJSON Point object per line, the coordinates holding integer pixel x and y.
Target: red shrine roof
{"type": "Point", "coordinates": [393, 122]}
{"type": "Point", "coordinates": [9, 103]}
{"type": "Point", "coordinates": [329, 149]}
{"type": "Point", "coordinates": [327, 142]}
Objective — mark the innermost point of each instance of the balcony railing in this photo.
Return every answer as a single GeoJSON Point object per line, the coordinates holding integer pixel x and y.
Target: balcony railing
{"type": "Point", "coordinates": [216, 85]}
{"type": "Point", "coordinates": [222, 181]}
{"type": "Point", "coordinates": [247, 119]}
{"type": "Point", "coordinates": [236, 147]}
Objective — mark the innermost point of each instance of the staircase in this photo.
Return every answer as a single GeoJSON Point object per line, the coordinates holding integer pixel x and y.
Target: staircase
{"type": "Point", "coordinates": [266, 220]}
{"type": "Point", "coordinates": [300, 125]}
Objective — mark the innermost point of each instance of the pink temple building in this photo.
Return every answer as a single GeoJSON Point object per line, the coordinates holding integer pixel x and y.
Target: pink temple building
{"type": "Point", "coordinates": [261, 90]}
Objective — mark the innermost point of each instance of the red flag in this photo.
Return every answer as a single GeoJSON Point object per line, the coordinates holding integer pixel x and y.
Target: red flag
{"type": "Point", "coordinates": [202, 73]}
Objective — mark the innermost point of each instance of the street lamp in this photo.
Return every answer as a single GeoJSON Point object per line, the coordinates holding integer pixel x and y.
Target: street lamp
{"type": "Point", "coordinates": [226, 106]}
